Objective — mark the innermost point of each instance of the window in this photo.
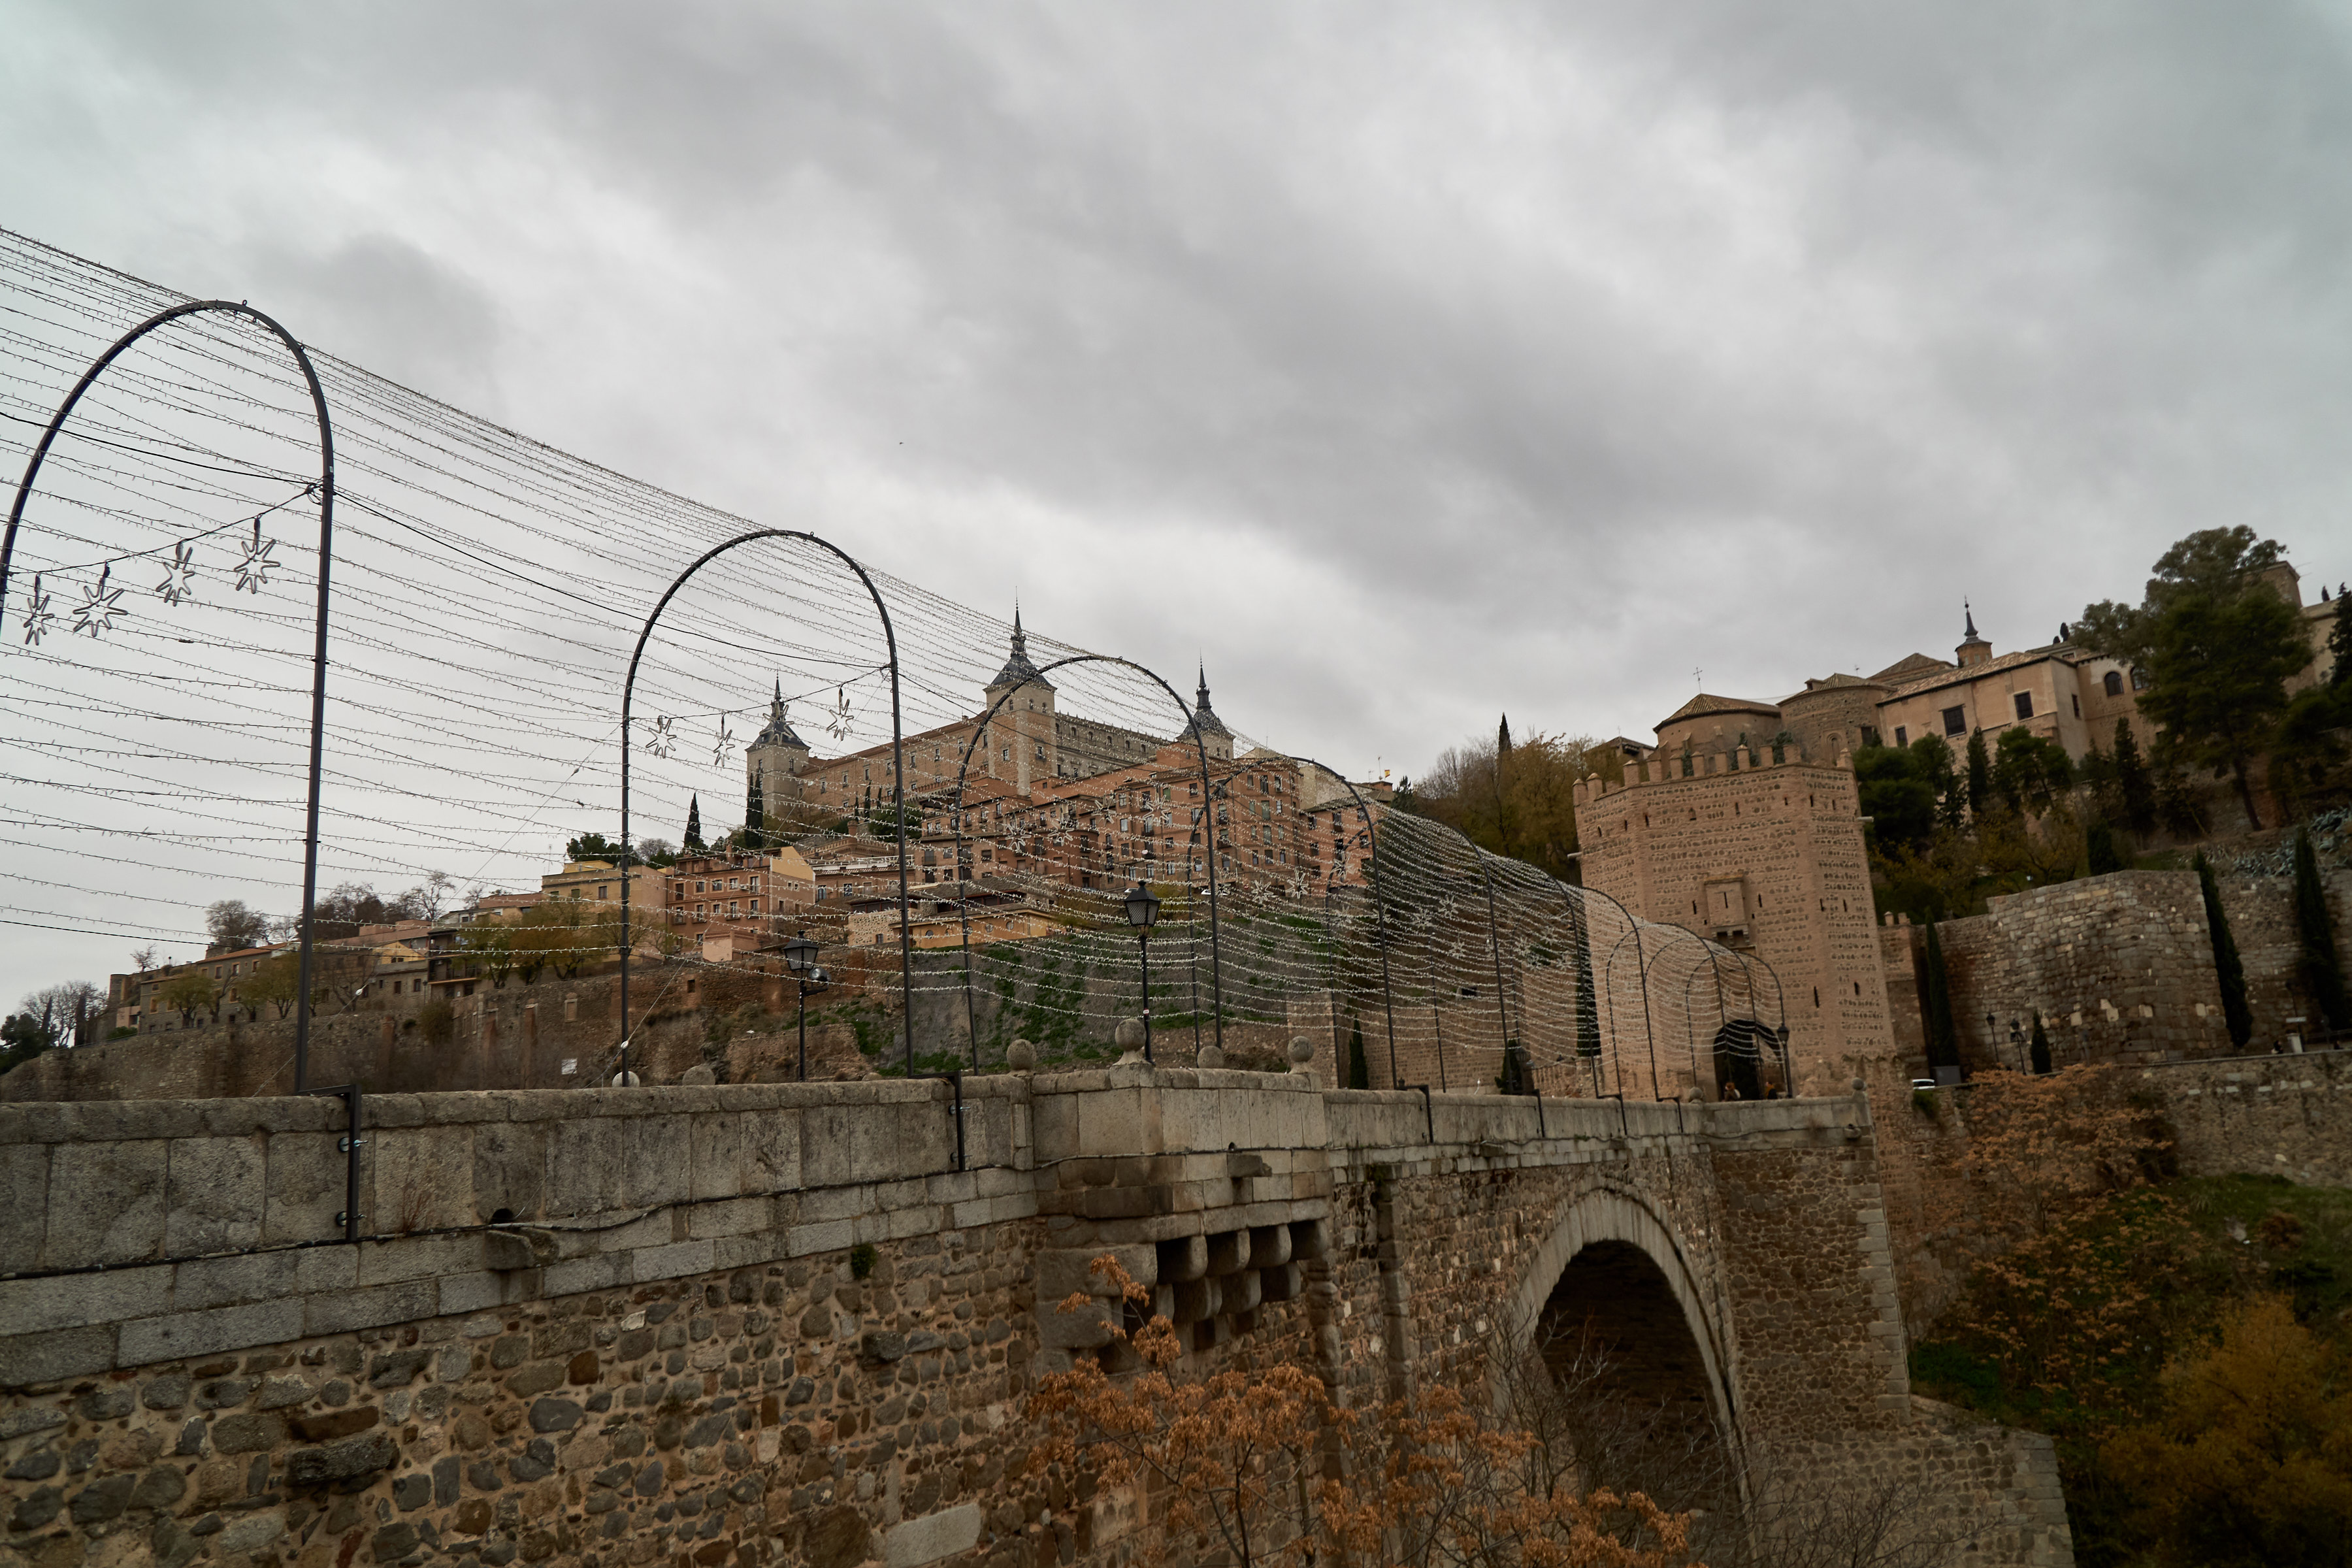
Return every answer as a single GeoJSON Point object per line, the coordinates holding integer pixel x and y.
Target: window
{"type": "Point", "coordinates": [2077, 701]}
{"type": "Point", "coordinates": [2114, 682]}
{"type": "Point", "coordinates": [1902, 735]}
{"type": "Point", "coordinates": [2139, 679]}
{"type": "Point", "coordinates": [2024, 700]}
{"type": "Point", "coordinates": [600, 891]}
{"type": "Point", "coordinates": [755, 906]}
{"type": "Point", "coordinates": [1955, 721]}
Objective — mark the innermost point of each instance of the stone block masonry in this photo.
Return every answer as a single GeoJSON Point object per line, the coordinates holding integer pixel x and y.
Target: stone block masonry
{"type": "Point", "coordinates": [757, 1324]}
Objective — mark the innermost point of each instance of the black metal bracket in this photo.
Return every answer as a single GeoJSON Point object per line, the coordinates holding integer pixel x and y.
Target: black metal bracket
{"type": "Point", "coordinates": [349, 1146]}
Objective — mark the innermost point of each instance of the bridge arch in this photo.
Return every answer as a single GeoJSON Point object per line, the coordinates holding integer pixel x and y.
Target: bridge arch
{"type": "Point", "coordinates": [1614, 1285]}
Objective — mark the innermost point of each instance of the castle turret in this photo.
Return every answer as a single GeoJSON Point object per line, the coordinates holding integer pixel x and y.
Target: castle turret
{"type": "Point", "coordinates": [1215, 738]}
{"type": "Point", "coordinates": [1026, 746]}
{"type": "Point", "coordinates": [1973, 649]}
{"type": "Point", "coordinates": [776, 757]}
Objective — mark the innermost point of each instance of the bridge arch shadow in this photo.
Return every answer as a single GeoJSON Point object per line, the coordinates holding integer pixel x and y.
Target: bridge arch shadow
{"type": "Point", "coordinates": [1619, 1361]}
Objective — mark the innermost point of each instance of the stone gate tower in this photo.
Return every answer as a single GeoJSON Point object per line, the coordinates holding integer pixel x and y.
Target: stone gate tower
{"type": "Point", "coordinates": [1731, 832]}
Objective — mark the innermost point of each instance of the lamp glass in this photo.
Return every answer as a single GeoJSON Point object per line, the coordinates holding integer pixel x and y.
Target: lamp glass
{"type": "Point", "coordinates": [1142, 906]}
{"type": "Point", "coordinates": [799, 953]}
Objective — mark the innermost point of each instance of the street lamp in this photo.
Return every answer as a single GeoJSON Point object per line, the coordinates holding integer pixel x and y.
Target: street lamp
{"type": "Point", "coordinates": [1142, 913]}
{"type": "Point", "coordinates": [800, 957]}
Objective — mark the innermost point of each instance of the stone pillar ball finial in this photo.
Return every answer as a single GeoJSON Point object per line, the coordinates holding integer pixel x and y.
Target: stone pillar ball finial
{"type": "Point", "coordinates": [1208, 1057]}
{"type": "Point", "coordinates": [1021, 1055]}
{"type": "Point", "coordinates": [1301, 1050]}
{"type": "Point", "coordinates": [1130, 1039]}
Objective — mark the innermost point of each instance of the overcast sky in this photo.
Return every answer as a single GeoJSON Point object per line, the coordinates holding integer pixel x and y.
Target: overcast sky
{"type": "Point", "coordinates": [1412, 363]}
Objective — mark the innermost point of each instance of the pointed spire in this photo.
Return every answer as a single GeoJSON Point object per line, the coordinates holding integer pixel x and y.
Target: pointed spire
{"type": "Point", "coordinates": [1202, 668]}
{"type": "Point", "coordinates": [1970, 616]}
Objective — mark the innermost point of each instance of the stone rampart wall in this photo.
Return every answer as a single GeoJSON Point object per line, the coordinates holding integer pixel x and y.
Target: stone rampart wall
{"type": "Point", "coordinates": [2266, 1116]}
{"type": "Point", "coordinates": [2261, 919]}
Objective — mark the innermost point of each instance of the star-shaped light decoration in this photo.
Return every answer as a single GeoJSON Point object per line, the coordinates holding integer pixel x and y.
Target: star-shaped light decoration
{"type": "Point", "coordinates": [179, 575]}
{"type": "Point", "coordinates": [100, 605]}
{"type": "Point", "coordinates": [254, 568]}
{"type": "Point", "coordinates": [39, 617]}
{"type": "Point", "coordinates": [837, 718]}
{"type": "Point", "coordinates": [663, 740]}
{"type": "Point", "coordinates": [724, 743]}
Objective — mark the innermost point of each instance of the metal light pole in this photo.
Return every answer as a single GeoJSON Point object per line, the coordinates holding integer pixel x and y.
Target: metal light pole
{"type": "Point", "coordinates": [1142, 913]}
{"type": "Point", "coordinates": [800, 957]}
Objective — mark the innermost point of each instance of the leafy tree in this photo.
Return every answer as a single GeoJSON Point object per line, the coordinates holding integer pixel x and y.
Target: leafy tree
{"type": "Point", "coordinates": [2216, 645]}
{"type": "Point", "coordinates": [2309, 745]}
{"type": "Point", "coordinates": [275, 982]}
{"type": "Point", "coordinates": [2316, 965]}
{"type": "Point", "coordinates": [1899, 801]}
{"type": "Point", "coordinates": [1251, 1465]}
{"type": "Point", "coordinates": [882, 821]}
{"type": "Point", "coordinates": [22, 1036]}
{"type": "Point", "coordinates": [592, 847]}
{"type": "Point", "coordinates": [1980, 773]}
{"type": "Point", "coordinates": [2099, 850]}
{"type": "Point", "coordinates": [693, 839]}
{"type": "Point", "coordinates": [2251, 1460]}
{"type": "Point", "coordinates": [232, 925]}
{"type": "Point", "coordinates": [1518, 801]}
{"type": "Point", "coordinates": [2030, 773]}
{"type": "Point", "coordinates": [2038, 1048]}
{"type": "Point", "coordinates": [188, 992]}
{"type": "Point", "coordinates": [656, 852]}
{"type": "Point", "coordinates": [2227, 968]}
{"type": "Point", "coordinates": [1943, 1036]}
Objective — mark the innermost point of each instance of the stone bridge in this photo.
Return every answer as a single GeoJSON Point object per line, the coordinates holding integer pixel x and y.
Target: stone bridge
{"type": "Point", "coordinates": [762, 1323]}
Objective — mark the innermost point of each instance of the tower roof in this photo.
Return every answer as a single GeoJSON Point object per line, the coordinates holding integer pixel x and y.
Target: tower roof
{"type": "Point", "coordinates": [1707, 702]}
{"type": "Point", "coordinates": [1018, 670]}
{"type": "Point", "coordinates": [778, 732]}
{"type": "Point", "coordinates": [1204, 718]}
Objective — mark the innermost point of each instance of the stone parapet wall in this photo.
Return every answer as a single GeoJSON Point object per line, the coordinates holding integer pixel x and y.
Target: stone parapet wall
{"type": "Point", "coordinates": [2286, 1116]}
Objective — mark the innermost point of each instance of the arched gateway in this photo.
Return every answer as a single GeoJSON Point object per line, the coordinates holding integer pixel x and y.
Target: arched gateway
{"type": "Point", "coordinates": [1613, 1305]}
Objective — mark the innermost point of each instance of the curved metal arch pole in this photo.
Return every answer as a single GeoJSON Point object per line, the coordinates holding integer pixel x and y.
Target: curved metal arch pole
{"type": "Point", "coordinates": [1715, 968]}
{"type": "Point", "coordinates": [898, 768]}
{"type": "Point", "coordinates": [1208, 842]}
{"type": "Point", "coordinates": [319, 653]}
{"type": "Point", "coordinates": [1494, 938]}
{"type": "Point", "coordinates": [1436, 1013]}
{"type": "Point", "coordinates": [1780, 1013]}
{"type": "Point", "coordinates": [1380, 916]}
{"type": "Point", "coordinates": [1581, 932]}
{"type": "Point", "coordinates": [1635, 928]}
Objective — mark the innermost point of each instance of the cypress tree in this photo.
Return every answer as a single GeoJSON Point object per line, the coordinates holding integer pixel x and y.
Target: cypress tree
{"type": "Point", "coordinates": [755, 815]}
{"type": "Point", "coordinates": [2317, 967]}
{"type": "Point", "coordinates": [693, 839]}
{"type": "Point", "coordinates": [2227, 969]}
{"type": "Point", "coordinates": [2339, 642]}
{"type": "Point", "coordinates": [2039, 1048]}
{"type": "Point", "coordinates": [1359, 1071]}
{"type": "Point", "coordinates": [2134, 783]}
{"type": "Point", "coordinates": [1979, 773]}
{"type": "Point", "coordinates": [2100, 849]}
{"type": "Point", "coordinates": [1943, 1036]}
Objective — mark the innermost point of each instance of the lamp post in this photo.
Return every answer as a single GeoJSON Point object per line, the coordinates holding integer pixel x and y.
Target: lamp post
{"type": "Point", "coordinates": [800, 957]}
{"type": "Point", "coordinates": [1142, 912]}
